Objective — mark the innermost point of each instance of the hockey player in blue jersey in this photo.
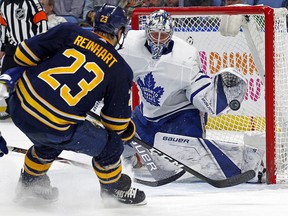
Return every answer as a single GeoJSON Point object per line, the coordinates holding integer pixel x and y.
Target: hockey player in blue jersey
{"type": "Point", "coordinates": [176, 96]}
{"type": "Point", "coordinates": [3, 146]}
{"type": "Point", "coordinates": [65, 71]}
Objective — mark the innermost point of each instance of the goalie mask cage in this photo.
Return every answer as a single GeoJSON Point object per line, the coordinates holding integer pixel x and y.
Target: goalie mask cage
{"type": "Point", "coordinates": [260, 52]}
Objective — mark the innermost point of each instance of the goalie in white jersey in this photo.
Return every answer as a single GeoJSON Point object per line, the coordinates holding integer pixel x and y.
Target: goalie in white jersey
{"type": "Point", "coordinates": [176, 96]}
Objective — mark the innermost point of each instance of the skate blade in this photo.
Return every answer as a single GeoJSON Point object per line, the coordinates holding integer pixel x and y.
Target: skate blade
{"type": "Point", "coordinates": [28, 196]}
{"type": "Point", "coordinates": [110, 202]}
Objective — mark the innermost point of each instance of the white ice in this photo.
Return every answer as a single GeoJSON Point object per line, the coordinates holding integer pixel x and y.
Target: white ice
{"type": "Point", "coordinates": [79, 192]}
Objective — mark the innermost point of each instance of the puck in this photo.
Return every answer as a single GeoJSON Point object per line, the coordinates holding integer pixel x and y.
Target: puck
{"type": "Point", "coordinates": [234, 105]}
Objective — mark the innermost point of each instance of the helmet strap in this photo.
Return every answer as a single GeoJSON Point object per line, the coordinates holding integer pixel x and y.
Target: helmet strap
{"type": "Point", "coordinates": [121, 43]}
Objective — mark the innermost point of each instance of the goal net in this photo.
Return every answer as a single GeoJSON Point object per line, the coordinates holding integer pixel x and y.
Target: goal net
{"type": "Point", "coordinates": [260, 52]}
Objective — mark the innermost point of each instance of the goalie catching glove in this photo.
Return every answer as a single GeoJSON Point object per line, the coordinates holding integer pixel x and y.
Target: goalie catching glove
{"type": "Point", "coordinates": [226, 90]}
{"type": "Point", "coordinates": [229, 83]}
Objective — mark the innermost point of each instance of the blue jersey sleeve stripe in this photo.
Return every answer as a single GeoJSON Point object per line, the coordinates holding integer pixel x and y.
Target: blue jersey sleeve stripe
{"type": "Point", "coordinates": [22, 59]}
{"type": "Point", "coordinates": [69, 117]}
{"type": "Point", "coordinates": [29, 100]}
{"type": "Point", "coordinates": [113, 119]}
{"type": "Point", "coordinates": [114, 127]}
{"type": "Point", "coordinates": [35, 115]}
{"type": "Point", "coordinates": [29, 52]}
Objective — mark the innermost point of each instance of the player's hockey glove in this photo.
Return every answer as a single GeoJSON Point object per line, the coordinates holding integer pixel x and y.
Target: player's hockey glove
{"type": "Point", "coordinates": [129, 132]}
{"type": "Point", "coordinates": [4, 90]}
{"type": "Point", "coordinates": [9, 80]}
{"type": "Point", "coordinates": [3, 146]}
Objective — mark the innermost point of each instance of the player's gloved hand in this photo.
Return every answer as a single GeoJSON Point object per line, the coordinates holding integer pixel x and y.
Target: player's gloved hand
{"type": "Point", "coordinates": [4, 92]}
{"type": "Point", "coordinates": [10, 79]}
{"type": "Point", "coordinates": [3, 146]}
{"type": "Point", "coordinates": [129, 132]}
{"type": "Point", "coordinates": [4, 88]}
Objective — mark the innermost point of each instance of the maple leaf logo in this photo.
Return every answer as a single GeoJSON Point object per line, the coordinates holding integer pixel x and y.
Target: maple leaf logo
{"type": "Point", "coordinates": [150, 93]}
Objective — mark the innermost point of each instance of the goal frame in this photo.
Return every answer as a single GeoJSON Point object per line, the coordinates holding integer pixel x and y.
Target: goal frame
{"type": "Point", "coordinates": [268, 12]}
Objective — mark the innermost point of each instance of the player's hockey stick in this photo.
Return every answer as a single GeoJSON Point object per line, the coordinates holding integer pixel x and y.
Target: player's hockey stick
{"type": "Point", "coordinates": [228, 182]}
{"type": "Point", "coordinates": [160, 182]}
{"type": "Point", "coordinates": [59, 159]}
{"type": "Point", "coordinates": [86, 166]}
{"type": "Point", "coordinates": [161, 176]}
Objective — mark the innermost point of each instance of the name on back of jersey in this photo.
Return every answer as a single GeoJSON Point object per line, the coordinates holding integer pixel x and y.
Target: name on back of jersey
{"type": "Point", "coordinates": [96, 48]}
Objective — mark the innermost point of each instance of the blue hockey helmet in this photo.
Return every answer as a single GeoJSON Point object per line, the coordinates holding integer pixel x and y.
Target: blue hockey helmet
{"type": "Point", "coordinates": [159, 30]}
{"type": "Point", "coordinates": [110, 19]}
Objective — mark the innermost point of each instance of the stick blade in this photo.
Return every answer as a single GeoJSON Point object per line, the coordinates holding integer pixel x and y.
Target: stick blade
{"type": "Point", "coordinates": [161, 182]}
{"type": "Point", "coordinates": [234, 180]}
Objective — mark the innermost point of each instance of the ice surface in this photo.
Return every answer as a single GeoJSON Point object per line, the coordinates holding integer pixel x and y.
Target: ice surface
{"type": "Point", "coordinates": [79, 192]}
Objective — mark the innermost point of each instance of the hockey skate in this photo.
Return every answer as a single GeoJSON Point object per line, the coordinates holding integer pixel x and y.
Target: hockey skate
{"type": "Point", "coordinates": [35, 187]}
{"type": "Point", "coordinates": [4, 115]}
{"type": "Point", "coordinates": [123, 193]}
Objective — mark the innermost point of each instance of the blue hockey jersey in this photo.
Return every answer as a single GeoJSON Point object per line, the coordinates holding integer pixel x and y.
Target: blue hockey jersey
{"type": "Point", "coordinates": [68, 70]}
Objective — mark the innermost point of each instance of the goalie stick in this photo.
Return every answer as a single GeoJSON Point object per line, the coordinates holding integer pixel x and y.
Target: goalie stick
{"type": "Point", "coordinates": [161, 176]}
{"type": "Point", "coordinates": [86, 166]}
{"type": "Point", "coordinates": [228, 182]}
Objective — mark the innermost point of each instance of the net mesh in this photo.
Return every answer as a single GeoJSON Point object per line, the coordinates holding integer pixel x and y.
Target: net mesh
{"type": "Point", "coordinates": [245, 51]}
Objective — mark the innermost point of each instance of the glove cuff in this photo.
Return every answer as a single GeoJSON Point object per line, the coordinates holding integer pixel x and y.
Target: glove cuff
{"type": "Point", "coordinates": [129, 133]}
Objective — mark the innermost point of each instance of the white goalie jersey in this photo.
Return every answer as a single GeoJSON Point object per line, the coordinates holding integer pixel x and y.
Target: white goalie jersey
{"type": "Point", "coordinates": [164, 84]}
{"type": "Point", "coordinates": [174, 82]}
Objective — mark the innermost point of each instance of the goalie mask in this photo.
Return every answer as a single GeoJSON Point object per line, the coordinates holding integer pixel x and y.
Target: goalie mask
{"type": "Point", "coordinates": [159, 30]}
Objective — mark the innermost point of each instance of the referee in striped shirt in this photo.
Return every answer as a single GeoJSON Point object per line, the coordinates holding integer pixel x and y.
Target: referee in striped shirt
{"type": "Point", "coordinates": [19, 20]}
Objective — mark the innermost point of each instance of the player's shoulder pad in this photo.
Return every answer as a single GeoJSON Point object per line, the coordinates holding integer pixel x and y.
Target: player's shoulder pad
{"type": "Point", "coordinates": [66, 26]}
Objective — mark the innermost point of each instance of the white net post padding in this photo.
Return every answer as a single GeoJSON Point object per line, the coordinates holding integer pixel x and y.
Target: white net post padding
{"type": "Point", "coordinates": [249, 52]}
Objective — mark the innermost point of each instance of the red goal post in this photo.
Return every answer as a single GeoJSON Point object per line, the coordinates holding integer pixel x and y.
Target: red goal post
{"type": "Point", "coordinates": [260, 52]}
